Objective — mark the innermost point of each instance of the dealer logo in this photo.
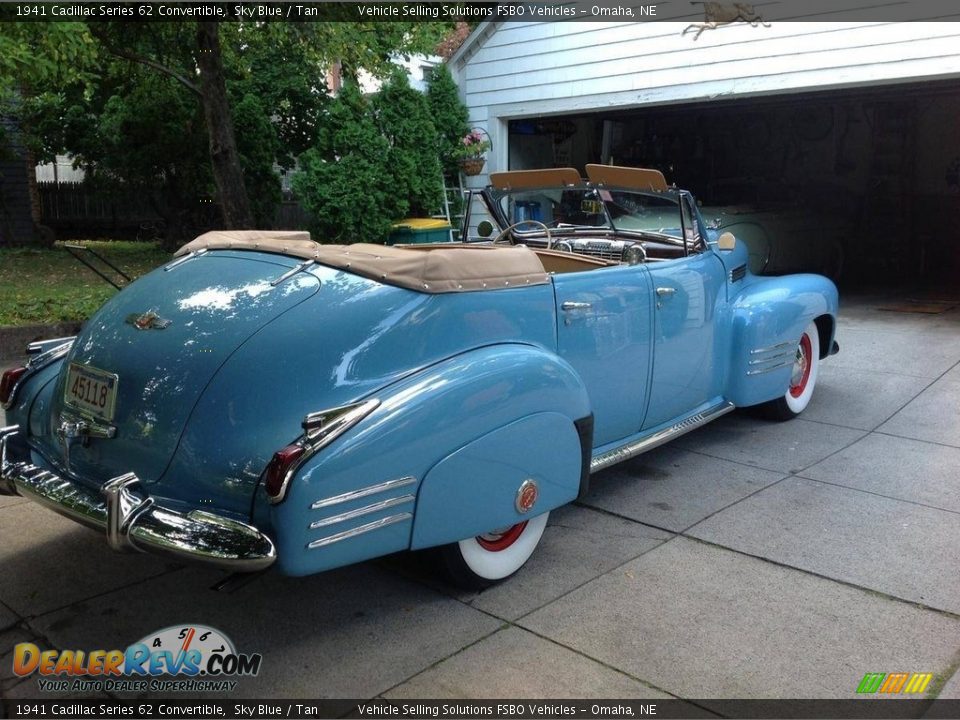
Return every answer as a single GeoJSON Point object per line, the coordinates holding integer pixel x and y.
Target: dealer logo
{"type": "Point", "coordinates": [200, 657]}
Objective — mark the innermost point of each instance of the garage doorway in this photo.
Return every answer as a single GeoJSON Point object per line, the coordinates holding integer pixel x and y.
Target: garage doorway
{"type": "Point", "coordinates": [862, 185]}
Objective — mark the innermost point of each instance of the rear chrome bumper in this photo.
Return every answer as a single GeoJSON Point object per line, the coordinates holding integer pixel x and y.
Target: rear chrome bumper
{"type": "Point", "coordinates": [135, 522]}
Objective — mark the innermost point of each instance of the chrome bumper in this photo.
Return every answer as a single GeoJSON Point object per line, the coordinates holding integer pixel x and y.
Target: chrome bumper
{"type": "Point", "coordinates": [134, 522]}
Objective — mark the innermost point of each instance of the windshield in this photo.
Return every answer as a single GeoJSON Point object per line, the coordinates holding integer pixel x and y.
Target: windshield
{"type": "Point", "coordinates": [595, 209]}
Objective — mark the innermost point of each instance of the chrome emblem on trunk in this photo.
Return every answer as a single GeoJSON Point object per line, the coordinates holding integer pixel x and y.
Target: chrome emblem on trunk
{"type": "Point", "coordinates": [147, 321]}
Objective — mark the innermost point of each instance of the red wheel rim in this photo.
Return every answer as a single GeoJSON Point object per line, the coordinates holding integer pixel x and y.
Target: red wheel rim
{"type": "Point", "coordinates": [804, 353]}
{"type": "Point", "coordinates": [498, 541]}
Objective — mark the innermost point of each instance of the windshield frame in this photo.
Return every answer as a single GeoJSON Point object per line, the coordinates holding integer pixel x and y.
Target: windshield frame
{"type": "Point", "coordinates": [493, 199]}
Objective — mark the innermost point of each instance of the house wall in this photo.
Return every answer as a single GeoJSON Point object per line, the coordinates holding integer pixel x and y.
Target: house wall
{"type": "Point", "coordinates": [514, 70]}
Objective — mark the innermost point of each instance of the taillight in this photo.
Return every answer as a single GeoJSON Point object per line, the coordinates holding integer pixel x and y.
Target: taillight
{"type": "Point", "coordinates": [8, 382]}
{"type": "Point", "coordinates": [277, 469]}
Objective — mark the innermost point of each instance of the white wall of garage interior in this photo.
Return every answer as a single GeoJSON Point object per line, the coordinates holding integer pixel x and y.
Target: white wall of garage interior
{"type": "Point", "coordinates": [536, 69]}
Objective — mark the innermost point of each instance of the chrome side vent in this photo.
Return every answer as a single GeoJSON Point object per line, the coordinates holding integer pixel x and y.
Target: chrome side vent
{"type": "Point", "coordinates": [738, 273]}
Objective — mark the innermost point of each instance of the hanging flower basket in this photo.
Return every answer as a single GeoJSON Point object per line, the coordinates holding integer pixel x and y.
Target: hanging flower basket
{"type": "Point", "coordinates": [472, 165]}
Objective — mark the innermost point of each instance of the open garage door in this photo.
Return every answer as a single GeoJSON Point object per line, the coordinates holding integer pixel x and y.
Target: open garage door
{"type": "Point", "coordinates": [862, 185]}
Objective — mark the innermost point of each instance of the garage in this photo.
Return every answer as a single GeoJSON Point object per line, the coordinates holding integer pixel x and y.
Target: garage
{"type": "Point", "coordinates": [828, 147]}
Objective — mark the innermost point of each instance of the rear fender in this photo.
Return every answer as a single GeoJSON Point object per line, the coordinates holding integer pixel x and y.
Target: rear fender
{"type": "Point", "coordinates": [769, 315]}
{"type": "Point", "coordinates": [465, 402]}
{"type": "Point", "coordinates": [477, 488]}
{"type": "Point", "coordinates": [30, 407]}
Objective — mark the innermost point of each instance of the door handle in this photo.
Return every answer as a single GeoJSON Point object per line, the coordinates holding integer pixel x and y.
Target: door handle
{"type": "Point", "coordinates": [666, 291]}
{"type": "Point", "coordinates": [576, 306]}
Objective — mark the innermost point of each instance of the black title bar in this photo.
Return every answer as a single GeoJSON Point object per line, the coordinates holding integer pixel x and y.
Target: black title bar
{"type": "Point", "coordinates": [435, 11]}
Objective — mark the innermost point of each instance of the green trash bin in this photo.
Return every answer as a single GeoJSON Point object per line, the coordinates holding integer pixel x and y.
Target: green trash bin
{"type": "Point", "coordinates": [419, 230]}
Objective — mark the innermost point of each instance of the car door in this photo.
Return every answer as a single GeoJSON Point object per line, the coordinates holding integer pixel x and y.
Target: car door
{"type": "Point", "coordinates": [604, 320]}
{"type": "Point", "coordinates": [688, 360]}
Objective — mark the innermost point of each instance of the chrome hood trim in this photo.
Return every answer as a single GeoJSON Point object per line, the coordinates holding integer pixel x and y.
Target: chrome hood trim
{"type": "Point", "coordinates": [136, 522]}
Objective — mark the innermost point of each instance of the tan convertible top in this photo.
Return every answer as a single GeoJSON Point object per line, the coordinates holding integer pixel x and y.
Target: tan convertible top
{"type": "Point", "coordinates": [438, 268]}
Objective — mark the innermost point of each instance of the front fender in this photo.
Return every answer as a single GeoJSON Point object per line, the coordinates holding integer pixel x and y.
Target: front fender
{"type": "Point", "coordinates": [361, 496]}
{"type": "Point", "coordinates": [769, 315]}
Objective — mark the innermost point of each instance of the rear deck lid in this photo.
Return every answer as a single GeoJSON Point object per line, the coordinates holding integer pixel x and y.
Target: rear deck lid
{"type": "Point", "coordinates": [145, 357]}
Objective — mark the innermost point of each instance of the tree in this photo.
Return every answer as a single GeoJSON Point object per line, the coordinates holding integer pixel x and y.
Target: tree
{"type": "Point", "coordinates": [212, 93]}
{"type": "Point", "coordinates": [254, 92]}
{"type": "Point", "coordinates": [449, 116]}
{"type": "Point", "coordinates": [32, 55]}
{"type": "Point", "coordinates": [224, 156]}
{"type": "Point", "coordinates": [342, 182]}
{"type": "Point", "coordinates": [403, 116]}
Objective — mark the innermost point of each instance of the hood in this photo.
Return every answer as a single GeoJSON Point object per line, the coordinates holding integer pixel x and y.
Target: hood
{"type": "Point", "coordinates": [164, 337]}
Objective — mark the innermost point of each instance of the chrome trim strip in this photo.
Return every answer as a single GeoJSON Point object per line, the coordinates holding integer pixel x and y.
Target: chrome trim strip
{"type": "Point", "coordinates": [778, 366]}
{"type": "Point", "coordinates": [35, 347]}
{"type": "Point", "coordinates": [360, 530]}
{"type": "Point", "coordinates": [188, 256]}
{"type": "Point", "coordinates": [636, 447]}
{"type": "Point", "coordinates": [360, 512]}
{"type": "Point", "coordinates": [363, 492]}
{"type": "Point", "coordinates": [36, 363]}
{"type": "Point", "coordinates": [772, 347]}
{"type": "Point", "coordinates": [772, 358]}
{"type": "Point", "coordinates": [132, 521]}
{"type": "Point", "coordinates": [322, 428]}
{"type": "Point", "coordinates": [290, 273]}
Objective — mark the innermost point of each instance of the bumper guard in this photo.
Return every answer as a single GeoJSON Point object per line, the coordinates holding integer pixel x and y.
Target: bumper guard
{"type": "Point", "coordinates": [135, 522]}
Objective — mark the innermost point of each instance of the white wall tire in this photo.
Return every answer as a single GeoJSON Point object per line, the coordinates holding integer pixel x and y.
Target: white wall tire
{"type": "Point", "coordinates": [478, 562]}
{"type": "Point", "coordinates": [803, 377]}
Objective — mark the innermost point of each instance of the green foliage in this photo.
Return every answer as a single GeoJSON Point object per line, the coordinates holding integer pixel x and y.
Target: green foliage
{"type": "Point", "coordinates": [342, 182]}
{"type": "Point", "coordinates": [404, 119]}
{"type": "Point", "coordinates": [449, 116]}
{"type": "Point", "coordinates": [35, 53]}
{"type": "Point", "coordinates": [136, 134]}
{"type": "Point", "coordinates": [259, 146]}
{"type": "Point", "coordinates": [277, 63]}
{"type": "Point", "coordinates": [122, 99]}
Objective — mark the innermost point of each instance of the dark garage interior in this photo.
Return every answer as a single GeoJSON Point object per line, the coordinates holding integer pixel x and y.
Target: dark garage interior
{"type": "Point", "coordinates": [862, 185]}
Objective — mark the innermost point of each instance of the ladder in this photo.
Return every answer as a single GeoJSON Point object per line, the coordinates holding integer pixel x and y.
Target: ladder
{"type": "Point", "coordinates": [453, 204]}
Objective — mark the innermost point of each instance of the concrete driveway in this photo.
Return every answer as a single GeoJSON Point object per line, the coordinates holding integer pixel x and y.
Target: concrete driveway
{"type": "Point", "coordinates": [746, 560]}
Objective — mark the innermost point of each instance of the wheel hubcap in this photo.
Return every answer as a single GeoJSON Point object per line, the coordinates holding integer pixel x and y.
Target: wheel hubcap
{"type": "Point", "coordinates": [801, 367]}
{"type": "Point", "coordinates": [501, 539]}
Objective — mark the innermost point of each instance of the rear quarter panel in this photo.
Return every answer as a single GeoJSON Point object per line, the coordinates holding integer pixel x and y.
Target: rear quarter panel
{"type": "Point", "coordinates": [422, 422]}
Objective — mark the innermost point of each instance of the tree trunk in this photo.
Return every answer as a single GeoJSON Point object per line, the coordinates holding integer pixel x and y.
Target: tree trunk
{"type": "Point", "coordinates": [41, 233]}
{"type": "Point", "coordinates": [224, 157]}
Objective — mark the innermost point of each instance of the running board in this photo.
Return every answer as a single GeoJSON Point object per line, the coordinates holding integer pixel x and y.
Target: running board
{"type": "Point", "coordinates": [636, 447]}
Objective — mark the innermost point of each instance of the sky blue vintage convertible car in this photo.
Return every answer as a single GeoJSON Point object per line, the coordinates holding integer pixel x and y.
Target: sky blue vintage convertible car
{"type": "Point", "coordinates": [264, 400]}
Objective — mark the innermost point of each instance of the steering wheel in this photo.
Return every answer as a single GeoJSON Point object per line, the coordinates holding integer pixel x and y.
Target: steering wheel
{"type": "Point", "coordinates": [499, 238]}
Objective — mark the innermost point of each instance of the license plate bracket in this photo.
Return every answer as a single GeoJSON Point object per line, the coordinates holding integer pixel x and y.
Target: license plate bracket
{"type": "Point", "coordinates": [91, 391]}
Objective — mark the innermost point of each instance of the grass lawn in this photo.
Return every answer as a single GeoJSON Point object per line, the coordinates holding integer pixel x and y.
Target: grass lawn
{"type": "Point", "coordinates": [49, 286]}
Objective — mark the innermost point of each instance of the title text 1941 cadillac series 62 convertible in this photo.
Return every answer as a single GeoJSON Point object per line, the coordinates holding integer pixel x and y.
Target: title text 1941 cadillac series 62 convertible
{"type": "Point", "coordinates": [266, 400]}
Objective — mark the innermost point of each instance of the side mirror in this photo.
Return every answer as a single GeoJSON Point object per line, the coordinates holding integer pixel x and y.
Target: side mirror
{"type": "Point", "coordinates": [726, 241]}
{"type": "Point", "coordinates": [485, 228]}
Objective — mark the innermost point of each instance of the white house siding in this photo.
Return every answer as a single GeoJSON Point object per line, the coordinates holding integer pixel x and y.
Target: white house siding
{"type": "Point", "coordinates": [517, 70]}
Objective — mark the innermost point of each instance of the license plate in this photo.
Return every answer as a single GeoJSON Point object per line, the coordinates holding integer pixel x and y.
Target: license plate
{"type": "Point", "coordinates": [91, 391]}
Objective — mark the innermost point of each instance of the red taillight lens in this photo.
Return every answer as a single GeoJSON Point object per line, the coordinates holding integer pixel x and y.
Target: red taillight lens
{"type": "Point", "coordinates": [277, 470]}
{"type": "Point", "coordinates": [8, 382]}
